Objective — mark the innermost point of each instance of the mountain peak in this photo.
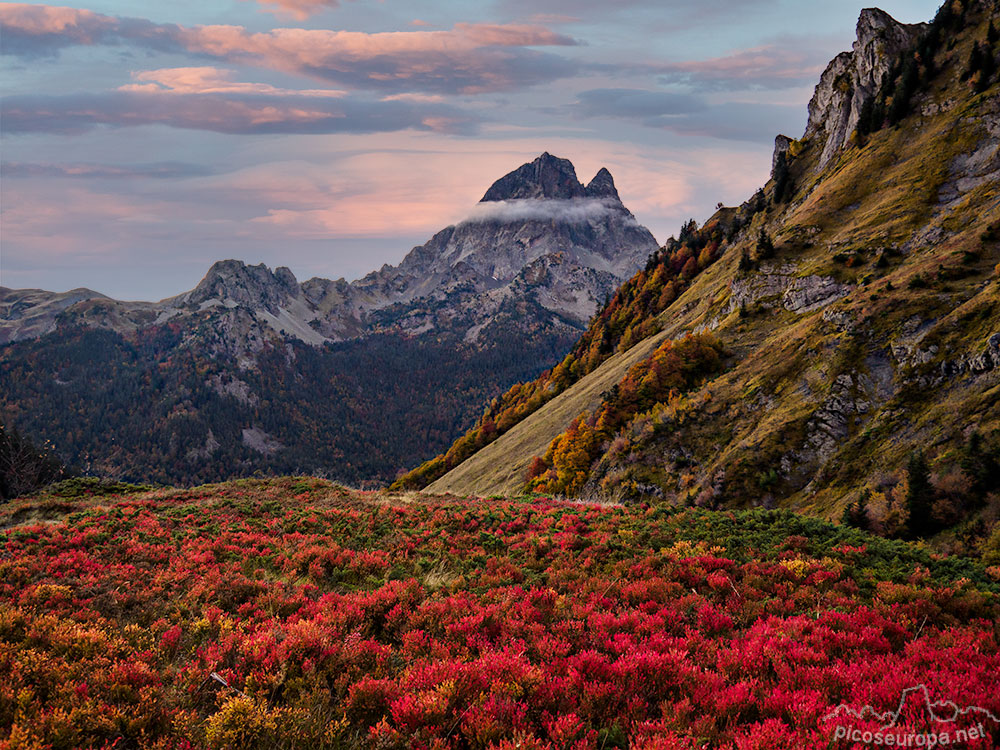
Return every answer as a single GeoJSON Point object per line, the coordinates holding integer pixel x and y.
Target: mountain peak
{"type": "Point", "coordinates": [603, 185]}
{"type": "Point", "coordinates": [853, 77]}
{"type": "Point", "coordinates": [874, 18]}
{"type": "Point", "coordinates": [547, 176]}
{"type": "Point", "coordinates": [235, 282]}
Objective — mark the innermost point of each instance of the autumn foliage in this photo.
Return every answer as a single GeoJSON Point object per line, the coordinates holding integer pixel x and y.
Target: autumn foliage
{"type": "Point", "coordinates": [674, 367]}
{"type": "Point", "coordinates": [294, 614]}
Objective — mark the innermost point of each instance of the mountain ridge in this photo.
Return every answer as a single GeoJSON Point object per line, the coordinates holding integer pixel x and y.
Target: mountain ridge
{"type": "Point", "coordinates": [603, 247]}
{"type": "Point", "coordinates": [856, 295]}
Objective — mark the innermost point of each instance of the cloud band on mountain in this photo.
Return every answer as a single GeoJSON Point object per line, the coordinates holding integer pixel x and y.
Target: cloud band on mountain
{"type": "Point", "coordinates": [573, 211]}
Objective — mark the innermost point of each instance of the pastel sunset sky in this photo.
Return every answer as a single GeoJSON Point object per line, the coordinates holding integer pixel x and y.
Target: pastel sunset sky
{"type": "Point", "coordinates": [143, 141]}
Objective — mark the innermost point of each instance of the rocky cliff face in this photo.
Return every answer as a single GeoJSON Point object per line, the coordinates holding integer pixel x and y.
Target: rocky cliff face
{"type": "Point", "coordinates": [231, 283]}
{"type": "Point", "coordinates": [539, 238]}
{"type": "Point", "coordinates": [853, 77]}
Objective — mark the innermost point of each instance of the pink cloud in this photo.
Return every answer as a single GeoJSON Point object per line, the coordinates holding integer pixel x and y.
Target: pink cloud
{"type": "Point", "coordinates": [39, 30]}
{"type": "Point", "coordinates": [510, 35]}
{"type": "Point", "coordinates": [209, 80]}
{"type": "Point", "coordinates": [242, 109]}
{"type": "Point", "coordinates": [468, 58]}
{"type": "Point", "coordinates": [83, 26]}
{"type": "Point", "coordinates": [300, 9]}
{"type": "Point", "coordinates": [302, 49]}
{"type": "Point", "coordinates": [408, 97]}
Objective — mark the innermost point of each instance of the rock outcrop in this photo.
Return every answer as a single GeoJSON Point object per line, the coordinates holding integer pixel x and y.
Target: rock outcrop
{"type": "Point", "coordinates": [782, 143]}
{"type": "Point", "coordinates": [232, 283]}
{"type": "Point", "coordinates": [853, 77]}
{"type": "Point", "coordinates": [546, 177]}
{"type": "Point", "coordinates": [798, 294]}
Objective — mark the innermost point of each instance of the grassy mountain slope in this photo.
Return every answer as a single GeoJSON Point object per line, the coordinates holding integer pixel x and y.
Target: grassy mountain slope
{"type": "Point", "coordinates": [865, 333]}
{"type": "Point", "coordinates": [499, 467]}
{"type": "Point", "coordinates": [295, 614]}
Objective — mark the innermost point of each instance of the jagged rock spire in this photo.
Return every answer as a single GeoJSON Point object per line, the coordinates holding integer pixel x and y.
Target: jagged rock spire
{"type": "Point", "coordinates": [852, 77]}
{"type": "Point", "coordinates": [550, 177]}
{"type": "Point", "coordinates": [603, 185]}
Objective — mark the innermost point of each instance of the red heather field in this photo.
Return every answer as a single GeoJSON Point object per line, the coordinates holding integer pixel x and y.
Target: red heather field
{"type": "Point", "coordinates": [296, 614]}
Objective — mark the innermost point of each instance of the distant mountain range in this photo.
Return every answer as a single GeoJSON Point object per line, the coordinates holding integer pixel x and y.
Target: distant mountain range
{"type": "Point", "coordinates": [494, 299]}
{"type": "Point", "coordinates": [538, 237]}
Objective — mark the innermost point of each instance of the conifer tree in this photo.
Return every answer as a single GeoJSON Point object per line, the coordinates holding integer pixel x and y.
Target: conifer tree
{"type": "Point", "coordinates": [980, 464]}
{"type": "Point", "coordinates": [905, 88]}
{"type": "Point", "coordinates": [975, 62]}
{"type": "Point", "coordinates": [856, 513]}
{"type": "Point", "coordinates": [919, 496]}
{"type": "Point", "coordinates": [765, 247]}
{"type": "Point", "coordinates": [865, 117]}
{"type": "Point", "coordinates": [987, 69]}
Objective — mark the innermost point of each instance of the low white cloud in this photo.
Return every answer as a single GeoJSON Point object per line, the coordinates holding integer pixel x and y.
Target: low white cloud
{"type": "Point", "coordinates": [574, 211]}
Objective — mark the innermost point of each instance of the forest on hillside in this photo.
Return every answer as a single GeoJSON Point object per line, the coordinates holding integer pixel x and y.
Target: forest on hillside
{"type": "Point", "coordinates": [147, 409]}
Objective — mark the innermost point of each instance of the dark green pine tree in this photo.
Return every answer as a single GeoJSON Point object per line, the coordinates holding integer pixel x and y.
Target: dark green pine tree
{"type": "Point", "coordinates": [765, 247]}
{"type": "Point", "coordinates": [987, 69]}
{"type": "Point", "coordinates": [909, 78]}
{"type": "Point", "coordinates": [975, 62]}
{"type": "Point", "coordinates": [919, 496]}
{"type": "Point", "coordinates": [980, 463]}
{"type": "Point", "coordinates": [861, 512]}
{"type": "Point", "coordinates": [866, 117]}
{"type": "Point", "coordinates": [856, 513]}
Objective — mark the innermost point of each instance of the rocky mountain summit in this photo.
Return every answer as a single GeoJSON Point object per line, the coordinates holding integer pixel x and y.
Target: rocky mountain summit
{"type": "Point", "coordinates": [539, 240]}
{"type": "Point", "coordinates": [854, 78]}
{"type": "Point", "coordinates": [549, 177]}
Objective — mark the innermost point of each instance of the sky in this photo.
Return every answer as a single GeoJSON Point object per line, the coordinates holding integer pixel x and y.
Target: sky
{"type": "Point", "coordinates": [141, 142]}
